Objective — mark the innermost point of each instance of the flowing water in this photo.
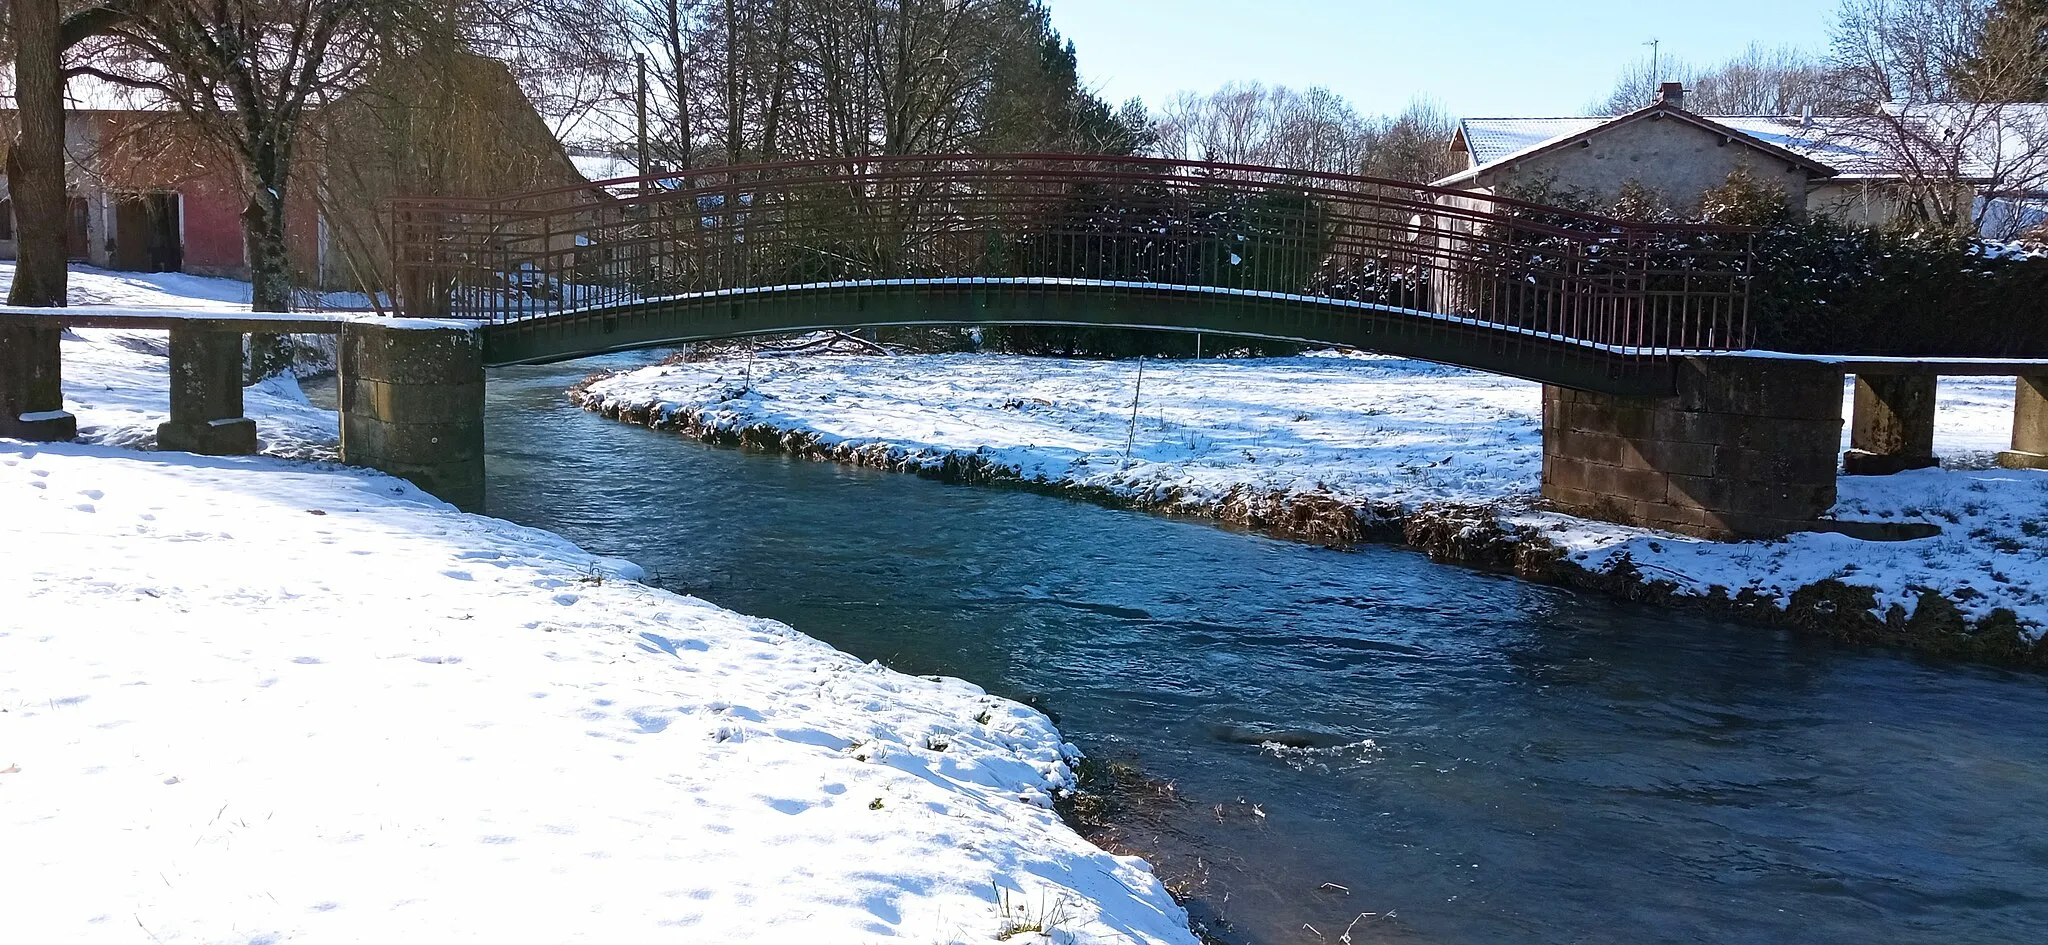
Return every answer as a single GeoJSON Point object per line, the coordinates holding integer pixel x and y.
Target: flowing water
{"type": "Point", "coordinates": [1466, 758]}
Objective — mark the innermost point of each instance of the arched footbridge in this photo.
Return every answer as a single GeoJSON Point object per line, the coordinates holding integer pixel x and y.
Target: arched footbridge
{"type": "Point", "coordinates": [1654, 411]}
{"type": "Point", "coordinates": [1494, 284]}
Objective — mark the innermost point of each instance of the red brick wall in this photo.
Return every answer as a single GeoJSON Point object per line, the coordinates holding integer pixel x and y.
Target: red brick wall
{"type": "Point", "coordinates": [213, 225]}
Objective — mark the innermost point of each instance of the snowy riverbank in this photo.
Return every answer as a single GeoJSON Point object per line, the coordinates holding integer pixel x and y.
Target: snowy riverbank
{"type": "Point", "coordinates": [1387, 442]}
{"type": "Point", "coordinates": [259, 700]}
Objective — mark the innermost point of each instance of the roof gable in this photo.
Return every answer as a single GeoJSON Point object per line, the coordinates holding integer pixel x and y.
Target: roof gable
{"type": "Point", "coordinates": [1499, 143]}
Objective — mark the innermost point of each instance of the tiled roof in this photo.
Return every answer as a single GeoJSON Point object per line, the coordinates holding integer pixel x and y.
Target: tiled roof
{"type": "Point", "coordinates": [1491, 139]}
{"type": "Point", "coordinates": [1849, 145]}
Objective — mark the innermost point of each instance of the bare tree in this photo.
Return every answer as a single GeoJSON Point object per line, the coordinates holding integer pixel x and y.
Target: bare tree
{"type": "Point", "coordinates": [1758, 81]}
{"type": "Point", "coordinates": [1941, 112]}
{"type": "Point", "coordinates": [248, 73]}
{"type": "Point", "coordinates": [1315, 130]}
{"type": "Point", "coordinates": [40, 35]}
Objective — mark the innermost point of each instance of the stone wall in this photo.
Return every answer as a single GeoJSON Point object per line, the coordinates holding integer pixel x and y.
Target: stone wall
{"type": "Point", "coordinates": [412, 404]}
{"type": "Point", "coordinates": [1675, 158]}
{"type": "Point", "coordinates": [1743, 448]}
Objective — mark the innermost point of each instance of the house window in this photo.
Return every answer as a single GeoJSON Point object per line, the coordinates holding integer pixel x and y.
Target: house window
{"type": "Point", "coordinates": [6, 221]}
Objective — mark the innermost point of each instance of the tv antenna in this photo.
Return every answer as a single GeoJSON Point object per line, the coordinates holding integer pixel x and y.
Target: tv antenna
{"type": "Point", "coordinates": [1656, 46]}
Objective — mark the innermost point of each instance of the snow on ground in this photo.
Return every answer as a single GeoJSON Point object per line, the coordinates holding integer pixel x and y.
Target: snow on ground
{"type": "Point", "coordinates": [252, 700]}
{"type": "Point", "coordinates": [117, 383]}
{"type": "Point", "coordinates": [1369, 429]}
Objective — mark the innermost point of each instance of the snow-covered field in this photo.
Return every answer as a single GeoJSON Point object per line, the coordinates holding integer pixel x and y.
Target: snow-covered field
{"type": "Point", "coordinates": [253, 700]}
{"type": "Point", "coordinates": [1368, 430]}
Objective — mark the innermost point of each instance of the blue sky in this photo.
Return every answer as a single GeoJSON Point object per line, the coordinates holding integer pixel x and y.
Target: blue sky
{"type": "Point", "coordinates": [1477, 57]}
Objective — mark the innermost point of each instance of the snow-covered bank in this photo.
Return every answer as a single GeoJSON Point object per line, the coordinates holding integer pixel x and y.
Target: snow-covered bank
{"type": "Point", "coordinates": [251, 700]}
{"type": "Point", "coordinates": [1374, 438]}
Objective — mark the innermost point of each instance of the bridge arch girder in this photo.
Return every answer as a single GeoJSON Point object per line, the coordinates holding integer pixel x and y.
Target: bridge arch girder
{"type": "Point", "coordinates": [963, 303]}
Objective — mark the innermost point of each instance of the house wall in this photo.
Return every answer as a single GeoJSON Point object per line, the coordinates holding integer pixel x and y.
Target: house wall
{"type": "Point", "coordinates": [1678, 160]}
{"type": "Point", "coordinates": [212, 216]}
{"type": "Point", "coordinates": [102, 164]}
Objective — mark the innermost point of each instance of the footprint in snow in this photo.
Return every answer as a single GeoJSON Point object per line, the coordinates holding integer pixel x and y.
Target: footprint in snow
{"type": "Point", "coordinates": [85, 507]}
{"type": "Point", "coordinates": [93, 494]}
{"type": "Point", "coordinates": [566, 599]}
{"type": "Point", "coordinates": [40, 485]}
{"type": "Point", "coordinates": [40, 473]}
{"type": "Point", "coordinates": [457, 574]}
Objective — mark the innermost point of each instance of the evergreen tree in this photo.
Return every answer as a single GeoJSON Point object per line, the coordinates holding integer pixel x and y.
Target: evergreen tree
{"type": "Point", "coordinates": [2011, 60]}
{"type": "Point", "coordinates": [1037, 102]}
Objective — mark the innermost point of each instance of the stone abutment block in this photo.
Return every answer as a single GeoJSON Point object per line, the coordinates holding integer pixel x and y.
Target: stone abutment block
{"type": "Point", "coordinates": [412, 404]}
{"type": "Point", "coordinates": [1892, 428]}
{"type": "Point", "coordinates": [206, 395]}
{"type": "Point", "coordinates": [32, 385]}
{"type": "Point", "coordinates": [2029, 426]}
{"type": "Point", "coordinates": [1741, 449]}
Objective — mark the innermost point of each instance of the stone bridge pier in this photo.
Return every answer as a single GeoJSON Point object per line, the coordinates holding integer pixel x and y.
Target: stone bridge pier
{"type": "Point", "coordinates": [1742, 448]}
{"type": "Point", "coordinates": [412, 404]}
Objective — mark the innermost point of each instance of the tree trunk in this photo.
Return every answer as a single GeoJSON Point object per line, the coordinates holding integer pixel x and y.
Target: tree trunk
{"type": "Point", "coordinates": [270, 275]}
{"type": "Point", "coordinates": [35, 164]}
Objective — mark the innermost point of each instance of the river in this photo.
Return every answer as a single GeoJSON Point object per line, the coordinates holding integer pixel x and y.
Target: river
{"type": "Point", "coordinates": [1468, 758]}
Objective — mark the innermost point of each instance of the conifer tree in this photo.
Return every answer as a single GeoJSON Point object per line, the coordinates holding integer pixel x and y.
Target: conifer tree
{"type": "Point", "coordinates": [2011, 60]}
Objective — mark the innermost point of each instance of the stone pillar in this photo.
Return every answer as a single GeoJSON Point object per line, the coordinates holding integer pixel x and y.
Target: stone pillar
{"type": "Point", "coordinates": [206, 395]}
{"type": "Point", "coordinates": [1892, 429]}
{"type": "Point", "coordinates": [32, 384]}
{"type": "Point", "coordinates": [412, 405]}
{"type": "Point", "coordinates": [1744, 448]}
{"type": "Point", "coordinates": [2029, 426]}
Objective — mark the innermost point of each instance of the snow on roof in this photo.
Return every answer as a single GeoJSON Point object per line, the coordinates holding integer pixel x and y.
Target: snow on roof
{"type": "Point", "coordinates": [1491, 139]}
{"type": "Point", "coordinates": [1849, 145]}
{"type": "Point", "coordinates": [602, 167]}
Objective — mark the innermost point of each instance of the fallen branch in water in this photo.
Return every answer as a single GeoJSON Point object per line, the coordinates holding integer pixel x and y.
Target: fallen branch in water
{"type": "Point", "coordinates": [828, 341]}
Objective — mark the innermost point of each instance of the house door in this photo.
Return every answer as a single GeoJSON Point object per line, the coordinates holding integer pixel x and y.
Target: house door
{"type": "Point", "coordinates": [146, 233]}
{"type": "Point", "coordinates": [77, 245]}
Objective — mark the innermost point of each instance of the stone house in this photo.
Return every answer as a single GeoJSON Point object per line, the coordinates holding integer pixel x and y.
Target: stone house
{"type": "Point", "coordinates": [1671, 151]}
{"type": "Point", "coordinates": [147, 193]}
{"type": "Point", "coordinates": [142, 194]}
{"type": "Point", "coordinates": [1842, 167]}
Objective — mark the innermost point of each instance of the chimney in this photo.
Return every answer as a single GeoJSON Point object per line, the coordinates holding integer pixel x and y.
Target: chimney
{"type": "Point", "coordinates": [1672, 94]}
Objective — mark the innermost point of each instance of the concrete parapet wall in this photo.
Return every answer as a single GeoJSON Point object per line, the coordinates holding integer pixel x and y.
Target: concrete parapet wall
{"type": "Point", "coordinates": [1741, 449]}
{"type": "Point", "coordinates": [412, 404]}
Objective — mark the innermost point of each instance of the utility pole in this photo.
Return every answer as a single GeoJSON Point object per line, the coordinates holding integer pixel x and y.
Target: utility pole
{"type": "Point", "coordinates": [640, 118]}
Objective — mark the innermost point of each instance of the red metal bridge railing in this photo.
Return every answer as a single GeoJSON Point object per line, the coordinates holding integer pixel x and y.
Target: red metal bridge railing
{"type": "Point", "coordinates": [1455, 257]}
